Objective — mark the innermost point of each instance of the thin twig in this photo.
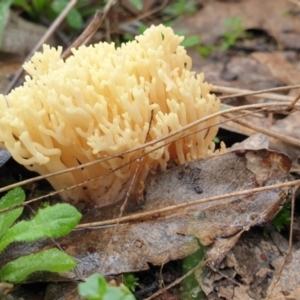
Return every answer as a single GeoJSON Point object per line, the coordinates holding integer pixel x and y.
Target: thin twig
{"type": "Point", "coordinates": [162, 211]}
{"type": "Point", "coordinates": [178, 280]}
{"type": "Point", "coordinates": [235, 92]}
{"type": "Point", "coordinates": [91, 29]}
{"type": "Point", "coordinates": [51, 194]}
{"type": "Point", "coordinates": [151, 143]}
{"type": "Point", "coordinates": [128, 193]}
{"type": "Point", "coordinates": [289, 251]}
{"type": "Point", "coordinates": [210, 259]}
{"type": "Point", "coordinates": [282, 137]}
{"type": "Point", "coordinates": [294, 102]}
{"type": "Point", "coordinates": [44, 38]}
{"type": "Point", "coordinates": [103, 176]}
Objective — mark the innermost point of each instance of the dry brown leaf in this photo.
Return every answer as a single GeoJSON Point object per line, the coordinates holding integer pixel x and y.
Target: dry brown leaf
{"type": "Point", "coordinates": [256, 14]}
{"type": "Point", "coordinates": [173, 235]}
{"type": "Point", "coordinates": [248, 270]}
{"type": "Point", "coordinates": [279, 67]}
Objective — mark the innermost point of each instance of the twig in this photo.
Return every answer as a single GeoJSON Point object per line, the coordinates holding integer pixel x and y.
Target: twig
{"type": "Point", "coordinates": [165, 137]}
{"type": "Point", "coordinates": [91, 29]}
{"type": "Point", "coordinates": [45, 37]}
{"type": "Point", "coordinates": [111, 171]}
{"type": "Point", "coordinates": [294, 102]}
{"type": "Point", "coordinates": [178, 280]}
{"type": "Point", "coordinates": [128, 193]}
{"type": "Point", "coordinates": [289, 251]}
{"type": "Point", "coordinates": [172, 208]}
{"type": "Point", "coordinates": [234, 92]}
{"type": "Point", "coordinates": [282, 137]}
{"type": "Point", "coordinates": [201, 264]}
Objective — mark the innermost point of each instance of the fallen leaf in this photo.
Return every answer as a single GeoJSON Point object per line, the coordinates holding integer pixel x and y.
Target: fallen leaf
{"type": "Point", "coordinates": [175, 234]}
{"type": "Point", "coordinates": [209, 22]}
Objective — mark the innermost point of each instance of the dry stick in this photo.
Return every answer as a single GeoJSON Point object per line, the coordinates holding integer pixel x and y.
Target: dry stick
{"type": "Point", "coordinates": [161, 211]}
{"type": "Point", "coordinates": [45, 37]}
{"type": "Point", "coordinates": [178, 280]}
{"type": "Point", "coordinates": [274, 134]}
{"type": "Point", "coordinates": [144, 15]}
{"type": "Point", "coordinates": [261, 93]}
{"type": "Point", "coordinates": [152, 11]}
{"type": "Point", "coordinates": [100, 177]}
{"type": "Point", "coordinates": [91, 29]}
{"type": "Point", "coordinates": [113, 170]}
{"type": "Point", "coordinates": [170, 135]}
{"type": "Point", "coordinates": [289, 251]}
{"type": "Point", "coordinates": [294, 102]}
{"type": "Point", "coordinates": [122, 209]}
{"type": "Point", "coordinates": [201, 264]}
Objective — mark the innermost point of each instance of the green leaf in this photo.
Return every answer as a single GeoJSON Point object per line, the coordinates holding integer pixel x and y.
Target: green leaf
{"type": "Point", "coordinates": [39, 5]}
{"type": "Point", "coordinates": [52, 221]}
{"type": "Point", "coordinates": [205, 50]}
{"type": "Point", "coordinates": [52, 260]}
{"type": "Point", "coordinates": [59, 5]}
{"type": "Point", "coordinates": [74, 19]}
{"type": "Point", "coordinates": [93, 288]}
{"type": "Point", "coordinates": [8, 218]}
{"type": "Point", "coordinates": [24, 5]}
{"type": "Point", "coordinates": [4, 8]}
{"type": "Point", "coordinates": [131, 281]}
{"type": "Point", "coordinates": [138, 4]}
{"type": "Point", "coordinates": [13, 197]}
{"type": "Point", "coordinates": [283, 218]}
{"type": "Point", "coordinates": [96, 288]}
{"type": "Point", "coordinates": [191, 41]}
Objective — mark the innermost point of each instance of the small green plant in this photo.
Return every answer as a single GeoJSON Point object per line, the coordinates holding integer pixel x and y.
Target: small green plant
{"type": "Point", "coordinates": [96, 288]}
{"type": "Point", "coordinates": [181, 7]}
{"type": "Point", "coordinates": [49, 222]}
{"type": "Point", "coordinates": [131, 281]}
{"type": "Point", "coordinates": [283, 218]}
{"type": "Point", "coordinates": [138, 4]}
{"type": "Point", "coordinates": [189, 40]}
{"type": "Point", "coordinates": [235, 32]}
{"type": "Point", "coordinates": [4, 7]}
{"type": "Point", "coordinates": [52, 8]}
{"type": "Point", "coordinates": [205, 50]}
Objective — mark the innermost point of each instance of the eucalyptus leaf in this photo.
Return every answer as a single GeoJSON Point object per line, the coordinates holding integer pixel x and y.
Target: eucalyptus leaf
{"type": "Point", "coordinates": [52, 260]}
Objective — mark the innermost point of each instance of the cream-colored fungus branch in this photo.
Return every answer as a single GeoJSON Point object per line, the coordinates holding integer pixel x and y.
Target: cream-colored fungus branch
{"type": "Point", "coordinates": [97, 103]}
